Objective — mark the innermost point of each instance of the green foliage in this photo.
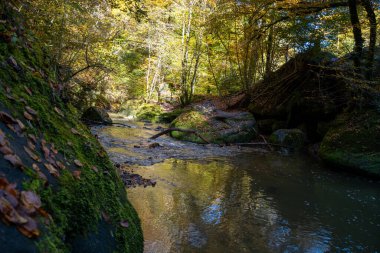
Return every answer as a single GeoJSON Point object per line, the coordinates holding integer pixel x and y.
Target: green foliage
{"type": "Point", "coordinates": [75, 205]}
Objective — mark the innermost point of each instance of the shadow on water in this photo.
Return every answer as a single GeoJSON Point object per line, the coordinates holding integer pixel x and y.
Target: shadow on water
{"type": "Point", "coordinates": [256, 203]}
{"type": "Point", "coordinates": [242, 201]}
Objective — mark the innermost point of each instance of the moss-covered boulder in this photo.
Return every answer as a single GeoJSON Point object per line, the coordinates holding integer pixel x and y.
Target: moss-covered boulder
{"type": "Point", "coordinates": [75, 200]}
{"type": "Point", "coordinates": [139, 110]}
{"type": "Point", "coordinates": [353, 142]}
{"type": "Point", "coordinates": [149, 112]}
{"type": "Point", "coordinates": [96, 115]}
{"type": "Point", "coordinates": [293, 138]}
{"type": "Point", "coordinates": [222, 127]}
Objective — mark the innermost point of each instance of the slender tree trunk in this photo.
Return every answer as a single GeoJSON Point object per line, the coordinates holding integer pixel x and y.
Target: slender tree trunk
{"type": "Point", "coordinates": [268, 60]}
{"type": "Point", "coordinates": [368, 6]}
{"type": "Point", "coordinates": [356, 29]}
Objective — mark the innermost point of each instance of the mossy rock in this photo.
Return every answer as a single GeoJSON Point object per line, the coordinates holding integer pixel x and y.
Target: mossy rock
{"type": "Point", "coordinates": [149, 112]}
{"type": "Point", "coordinates": [352, 143]}
{"type": "Point", "coordinates": [96, 115]}
{"type": "Point", "coordinates": [169, 117]}
{"type": "Point", "coordinates": [231, 130]}
{"type": "Point", "coordinates": [85, 211]}
{"type": "Point", "coordinates": [292, 138]}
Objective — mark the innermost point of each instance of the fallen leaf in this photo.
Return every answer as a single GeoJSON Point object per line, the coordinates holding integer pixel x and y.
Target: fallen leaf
{"type": "Point", "coordinates": [32, 154]}
{"type": "Point", "coordinates": [10, 198]}
{"type": "Point", "coordinates": [6, 118]}
{"type": "Point", "coordinates": [94, 169]}
{"type": "Point", "coordinates": [61, 165]}
{"type": "Point", "coordinates": [14, 160]}
{"type": "Point", "coordinates": [70, 143]}
{"type": "Point", "coordinates": [6, 150]}
{"type": "Point", "coordinates": [31, 111]}
{"type": "Point", "coordinates": [78, 163]}
{"type": "Point", "coordinates": [28, 91]}
{"type": "Point", "coordinates": [77, 173]}
{"type": "Point", "coordinates": [10, 214]}
{"type": "Point", "coordinates": [10, 97]}
{"type": "Point", "coordinates": [124, 224]}
{"type": "Point", "coordinates": [8, 89]}
{"type": "Point", "coordinates": [59, 111]}
{"type": "Point", "coordinates": [28, 116]}
{"type": "Point", "coordinates": [53, 149]}
{"type": "Point", "coordinates": [33, 138]}
{"type": "Point", "coordinates": [31, 145]}
{"type": "Point", "coordinates": [52, 170]}
{"type": "Point", "coordinates": [21, 125]}
{"type": "Point", "coordinates": [29, 229]}
{"type": "Point", "coordinates": [3, 183]}
{"type": "Point", "coordinates": [30, 199]}
{"type": "Point", "coordinates": [74, 131]}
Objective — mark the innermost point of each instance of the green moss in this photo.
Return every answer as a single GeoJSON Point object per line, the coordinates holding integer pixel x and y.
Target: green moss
{"type": "Point", "coordinates": [76, 205]}
{"type": "Point", "coordinates": [169, 117]}
{"type": "Point", "coordinates": [352, 142]}
{"type": "Point", "coordinates": [293, 138]}
{"type": "Point", "coordinates": [149, 112]}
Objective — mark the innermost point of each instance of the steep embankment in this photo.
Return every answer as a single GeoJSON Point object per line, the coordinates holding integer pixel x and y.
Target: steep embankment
{"type": "Point", "coordinates": [58, 190]}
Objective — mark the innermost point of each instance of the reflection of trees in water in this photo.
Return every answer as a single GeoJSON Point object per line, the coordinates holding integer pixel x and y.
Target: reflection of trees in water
{"type": "Point", "coordinates": [217, 206]}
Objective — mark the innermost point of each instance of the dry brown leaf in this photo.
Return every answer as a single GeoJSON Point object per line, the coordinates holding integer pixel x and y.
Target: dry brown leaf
{"type": "Point", "coordinates": [78, 163]}
{"type": "Point", "coordinates": [33, 138]}
{"type": "Point", "coordinates": [21, 125]}
{"type": "Point", "coordinates": [6, 118]}
{"type": "Point", "coordinates": [32, 154]}
{"type": "Point", "coordinates": [94, 169]}
{"type": "Point", "coordinates": [53, 149]}
{"type": "Point", "coordinates": [11, 188]}
{"type": "Point", "coordinates": [31, 145]}
{"type": "Point", "coordinates": [30, 199]}
{"type": "Point", "coordinates": [40, 174]}
{"type": "Point", "coordinates": [31, 111]}
{"type": "Point", "coordinates": [10, 97]}
{"type": "Point", "coordinates": [61, 165]}
{"type": "Point", "coordinates": [28, 91]}
{"type": "Point", "coordinates": [29, 229]}
{"type": "Point", "coordinates": [14, 160]}
{"type": "Point", "coordinates": [74, 131]}
{"type": "Point", "coordinates": [60, 113]}
{"type": "Point", "coordinates": [28, 116]}
{"type": "Point", "coordinates": [3, 183]}
{"type": "Point", "coordinates": [77, 173]}
{"type": "Point", "coordinates": [124, 224]}
{"type": "Point", "coordinates": [9, 213]}
{"type": "Point", "coordinates": [6, 150]}
{"type": "Point", "coordinates": [10, 198]}
{"type": "Point", "coordinates": [52, 170]}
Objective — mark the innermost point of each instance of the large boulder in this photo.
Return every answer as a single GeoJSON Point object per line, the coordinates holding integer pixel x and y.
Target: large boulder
{"type": "Point", "coordinates": [353, 142]}
{"type": "Point", "coordinates": [216, 127]}
{"type": "Point", "coordinates": [292, 138]}
{"type": "Point", "coordinates": [96, 115]}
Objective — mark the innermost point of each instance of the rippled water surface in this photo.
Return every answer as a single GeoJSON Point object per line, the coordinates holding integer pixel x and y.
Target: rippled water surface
{"type": "Point", "coordinates": [249, 202]}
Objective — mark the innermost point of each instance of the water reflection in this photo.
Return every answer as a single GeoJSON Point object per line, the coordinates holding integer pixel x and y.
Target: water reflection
{"type": "Point", "coordinates": [256, 204]}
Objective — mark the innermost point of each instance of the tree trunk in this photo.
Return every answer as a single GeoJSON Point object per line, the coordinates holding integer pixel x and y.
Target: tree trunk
{"type": "Point", "coordinates": [368, 6]}
{"type": "Point", "coordinates": [356, 29]}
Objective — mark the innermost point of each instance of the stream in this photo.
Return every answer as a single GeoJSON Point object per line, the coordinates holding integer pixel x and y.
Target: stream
{"type": "Point", "coordinates": [228, 199]}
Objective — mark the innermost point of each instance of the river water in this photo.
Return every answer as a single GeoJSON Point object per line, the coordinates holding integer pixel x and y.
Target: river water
{"type": "Point", "coordinates": [213, 199]}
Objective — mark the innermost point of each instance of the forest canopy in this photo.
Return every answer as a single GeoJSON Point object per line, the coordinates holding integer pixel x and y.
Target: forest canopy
{"type": "Point", "coordinates": [108, 51]}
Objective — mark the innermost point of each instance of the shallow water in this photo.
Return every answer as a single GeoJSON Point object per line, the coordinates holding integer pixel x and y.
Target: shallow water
{"type": "Point", "coordinates": [249, 202]}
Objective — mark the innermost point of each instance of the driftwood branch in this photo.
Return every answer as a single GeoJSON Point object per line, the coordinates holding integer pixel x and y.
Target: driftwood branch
{"type": "Point", "coordinates": [188, 131]}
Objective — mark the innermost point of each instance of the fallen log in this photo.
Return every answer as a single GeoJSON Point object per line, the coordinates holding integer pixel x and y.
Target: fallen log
{"type": "Point", "coordinates": [189, 131]}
